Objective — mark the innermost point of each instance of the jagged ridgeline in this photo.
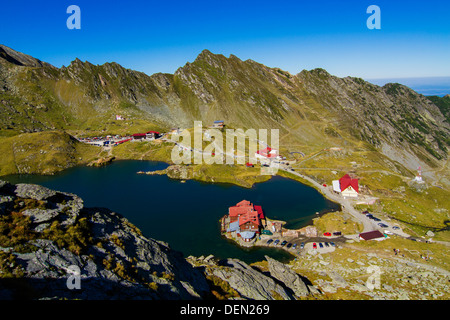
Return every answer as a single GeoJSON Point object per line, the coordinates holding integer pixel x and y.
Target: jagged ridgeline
{"type": "Point", "coordinates": [313, 109]}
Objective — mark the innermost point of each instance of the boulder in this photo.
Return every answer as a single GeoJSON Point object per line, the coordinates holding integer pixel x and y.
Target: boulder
{"type": "Point", "coordinates": [287, 276]}
{"type": "Point", "coordinates": [248, 282]}
{"type": "Point", "coordinates": [430, 233]}
{"type": "Point", "coordinates": [328, 287]}
{"type": "Point", "coordinates": [338, 280]}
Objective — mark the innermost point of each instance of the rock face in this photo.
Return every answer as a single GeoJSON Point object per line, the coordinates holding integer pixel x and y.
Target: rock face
{"type": "Point", "coordinates": [250, 283]}
{"type": "Point", "coordinates": [115, 260]}
{"type": "Point", "coordinates": [34, 192]}
{"type": "Point", "coordinates": [174, 172]}
{"type": "Point", "coordinates": [19, 58]}
{"type": "Point", "coordinates": [290, 278]}
{"type": "Point", "coordinates": [280, 283]}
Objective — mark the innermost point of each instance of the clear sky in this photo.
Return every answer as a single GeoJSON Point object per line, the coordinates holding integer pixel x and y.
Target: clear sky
{"type": "Point", "coordinates": [160, 36]}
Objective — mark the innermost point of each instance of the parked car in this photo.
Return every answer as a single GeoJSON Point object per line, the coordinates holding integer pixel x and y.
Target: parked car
{"type": "Point", "coordinates": [327, 234]}
{"type": "Point", "coordinates": [289, 245]}
{"type": "Point", "coordinates": [376, 219]}
{"type": "Point", "coordinates": [326, 244]}
{"type": "Point", "coordinates": [314, 245]}
{"type": "Point", "coordinates": [337, 233]}
{"type": "Point", "coordinates": [320, 244]}
{"type": "Point", "coordinates": [332, 243]}
{"type": "Point", "coordinates": [387, 232]}
{"type": "Point", "coordinates": [283, 243]}
{"type": "Point", "coordinates": [276, 241]}
{"type": "Point", "coordinates": [269, 241]}
{"type": "Point", "coordinates": [365, 212]}
{"type": "Point", "coordinates": [294, 246]}
{"type": "Point", "coordinates": [302, 245]}
{"type": "Point", "coordinates": [369, 216]}
{"type": "Point", "coordinates": [383, 225]}
{"type": "Point", "coordinates": [395, 227]}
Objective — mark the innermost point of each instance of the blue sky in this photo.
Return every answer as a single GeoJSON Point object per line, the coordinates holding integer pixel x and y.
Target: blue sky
{"type": "Point", "coordinates": [160, 36]}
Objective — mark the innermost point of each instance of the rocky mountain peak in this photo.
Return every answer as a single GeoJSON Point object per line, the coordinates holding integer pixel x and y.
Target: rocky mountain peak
{"type": "Point", "coordinates": [77, 63]}
{"type": "Point", "coordinates": [208, 59]}
{"type": "Point", "coordinates": [206, 54]}
{"type": "Point", "coordinates": [317, 72]}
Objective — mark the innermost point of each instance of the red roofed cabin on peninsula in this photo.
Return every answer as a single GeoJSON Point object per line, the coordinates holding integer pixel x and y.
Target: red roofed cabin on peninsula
{"type": "Point", "coordinates": [248, 219]}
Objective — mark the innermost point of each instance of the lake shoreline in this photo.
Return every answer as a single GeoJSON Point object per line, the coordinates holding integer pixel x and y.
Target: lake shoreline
{"type": "Point", "coordinates": [273, 193]}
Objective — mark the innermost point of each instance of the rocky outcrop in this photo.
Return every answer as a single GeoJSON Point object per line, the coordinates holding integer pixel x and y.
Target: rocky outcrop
{"type": "Point", "coordinates": [115, 260]}
{"type": "Point", "coordinates": [286, 275]}
{"type": "Point", "coordinates": [33, 191]}
{"type": "Point", "coordinates": [177, 172]}
{"type": "Point", "coordinates": [19, 58]}
{"type": "Point", "coordinates": [250, 283]}
{"type": "Point", "coordinates": [101, 162]}
{"type": "Point", "coordinates": [280, 283]}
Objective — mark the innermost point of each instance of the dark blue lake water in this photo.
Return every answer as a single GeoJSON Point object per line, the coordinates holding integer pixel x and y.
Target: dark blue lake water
{"type": "Point", "coordinates": [186, 215]}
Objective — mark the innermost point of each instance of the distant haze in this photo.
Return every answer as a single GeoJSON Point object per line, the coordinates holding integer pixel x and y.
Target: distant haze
{"type": "Point", "coordinates": [429, 86]}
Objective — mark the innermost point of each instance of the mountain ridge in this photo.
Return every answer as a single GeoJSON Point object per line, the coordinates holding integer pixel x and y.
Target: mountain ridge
{"type": "Point", "coordinates": [394, 119]}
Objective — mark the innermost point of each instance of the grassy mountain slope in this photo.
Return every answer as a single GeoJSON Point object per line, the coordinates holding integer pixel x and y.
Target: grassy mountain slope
{"type": "Point", "coordinates": [443, 103]}
{"type": "Point", "coordinates": [43, 152]}
{"type": "Point", "coordinates": [313, 110]}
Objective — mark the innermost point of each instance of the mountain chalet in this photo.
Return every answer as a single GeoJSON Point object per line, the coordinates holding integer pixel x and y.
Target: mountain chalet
{"type": "Point", "coordinates": [346, 186]}
{"type": "Point", "coordinates": [245, 220]}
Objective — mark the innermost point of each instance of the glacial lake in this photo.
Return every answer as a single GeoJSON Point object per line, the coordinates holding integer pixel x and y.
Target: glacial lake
{"type": "Point", "coordinates": [185, 215]}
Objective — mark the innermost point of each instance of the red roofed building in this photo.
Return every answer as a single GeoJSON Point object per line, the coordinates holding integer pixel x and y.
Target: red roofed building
{"type": "Point", "coordinates": [249, 221]}
{"type": "Point", "coordinates": [372, 235]}
{"type": "Point", "coordinates": [246, 219]}
{"type": "Point", "coordinates": [267, 153]}
{"type": "Point", "coordinates": [261, 216]}
{"type": "Point", "coordinates": [349, 187]}
{"type": "Point", "coordinates": [138, 136]}
{"type": "Point", "coordinates": [244, 203]}
{"type": "Point", "coordinates": [152, 134]}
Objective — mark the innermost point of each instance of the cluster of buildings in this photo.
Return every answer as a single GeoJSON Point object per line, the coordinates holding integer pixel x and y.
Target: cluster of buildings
{"type": "Point", "coordinates": [244, 220]}
{"type": "Point", "coordinates": [146, 135]}
{"type": "Point", "coordinates": [116, 140]}
{"type": "Point", "coordinates": [267, 154]}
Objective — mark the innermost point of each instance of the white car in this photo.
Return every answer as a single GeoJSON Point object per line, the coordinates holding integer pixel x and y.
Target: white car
{"type": "Point", "coordinates": [387, 232]}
